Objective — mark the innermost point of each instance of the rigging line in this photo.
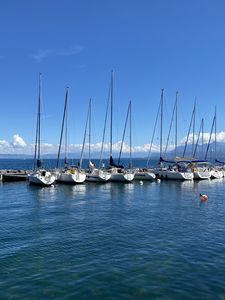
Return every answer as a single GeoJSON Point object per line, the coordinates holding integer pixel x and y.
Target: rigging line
{"type": "Point", "coordinates": [196, 145]}
{"type": "Point", "coordinates": [189, 130]}
{"type": "Point", "coordinates": [124, 131]}
{"type": "Point", "coordinates": [104, 129]}
{"type": "Point", "coordinates": [62, 127]}
{"type": "Point", "coordinates": [171, 123]}
{"type": "Point", "coordinates": [206, 153]}
{"type": "Point", "coordinates": [153, 135]}
{"type": "Point", "coordinates": [84, 139]}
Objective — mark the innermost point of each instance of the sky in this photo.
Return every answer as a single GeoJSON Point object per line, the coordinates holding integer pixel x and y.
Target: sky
{"type": "Point", "coordinates": [150, 44]}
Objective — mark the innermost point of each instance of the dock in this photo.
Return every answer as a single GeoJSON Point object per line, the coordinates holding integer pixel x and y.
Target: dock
{"type": "Point", "coordinates": [13, 175]}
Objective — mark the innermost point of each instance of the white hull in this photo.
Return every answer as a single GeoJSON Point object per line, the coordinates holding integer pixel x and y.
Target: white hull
{"type": "Point", "coordinates": [173, 175]}
{"type": "Point", "coordinates": [202, 175]}
{"type": "Point", "coordinates": [216, 174]}
{"type": "Point", "coordinates": [41, 178]}
{"type": "Point", "coordinates": [119, 175]}
{"type": "Point", "coordinates": [71, 177]}
{"type": "Point", "coordinates": [144, 175]}
{"type": "Point", "coordinates": [98, 176]}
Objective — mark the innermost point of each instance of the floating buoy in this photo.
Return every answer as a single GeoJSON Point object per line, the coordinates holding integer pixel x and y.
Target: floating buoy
{"type": "Point", "coordinates": [203, 197]}
{"type": "Point", "coordinates": [141, 182]}
{"type": "Point", "coordinates": [158, 180]}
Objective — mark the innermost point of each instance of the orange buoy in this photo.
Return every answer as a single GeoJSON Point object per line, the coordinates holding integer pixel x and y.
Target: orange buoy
{"type": "Point", "coordinates": [203, 197]}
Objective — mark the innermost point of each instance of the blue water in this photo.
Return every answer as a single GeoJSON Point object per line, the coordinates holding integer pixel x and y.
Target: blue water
{"type": "Point", "coordinates": [112, 241]}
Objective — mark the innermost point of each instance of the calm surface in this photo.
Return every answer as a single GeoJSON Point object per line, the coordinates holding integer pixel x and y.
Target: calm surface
{"type": "Point", "coordinates": [112, 241]}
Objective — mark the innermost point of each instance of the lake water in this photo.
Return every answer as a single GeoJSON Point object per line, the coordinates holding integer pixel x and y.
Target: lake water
{"type": "Point", "coordinates": [112, 241]}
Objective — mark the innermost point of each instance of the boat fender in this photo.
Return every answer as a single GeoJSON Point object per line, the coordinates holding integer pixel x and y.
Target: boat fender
{"type": "Point", "coordinates": [203, 197]}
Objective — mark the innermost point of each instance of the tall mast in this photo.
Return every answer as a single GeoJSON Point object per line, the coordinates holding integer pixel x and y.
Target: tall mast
{"type": "Point", "coordinates": [111, 113]}
{"type": "Point", "coordinates": [215, 136]}
{"type": "Point", "coordinates": [130, 139]}
{"type": "Point", "coordinates": [161, 123]}
{"type": "Point", "coordinates": [175, 152]}
{"type": "Point", "coordinates": [193, 138]}
{"type": "Point", "coordinates": [202, 137]}
{"type": "Point", "coordinates": [62, 129]}
{"type": "Point", "coordinates": [37, 151]}
{"type": "Point", "coordinates": [89, 135]}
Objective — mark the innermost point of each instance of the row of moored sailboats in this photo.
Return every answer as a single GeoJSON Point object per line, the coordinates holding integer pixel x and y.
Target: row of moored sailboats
{"type": "Point", "coordinates": [178, 169]}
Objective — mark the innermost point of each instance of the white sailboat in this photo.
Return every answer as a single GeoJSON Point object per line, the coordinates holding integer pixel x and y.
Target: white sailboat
{"type": "Point", "coordinates": [69, 174]}
{"type": "Point", "coordinates": [118, 172]}
{"type": "Point", "coordinates": [177, 169]}
{"type": "Point", "coordinates": [40, 176]}
{"type": "Point", "coordinates": [93, 174]}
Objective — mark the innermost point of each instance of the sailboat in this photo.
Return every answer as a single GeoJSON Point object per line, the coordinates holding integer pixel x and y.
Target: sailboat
{"type": "Point", "coordinates": [69, 174]}
{"type": "Point", "coordinates": [93, 174]}
{"type": "Point", "coordinates": [40, 176]}
{"type": "Point", "coordinates": [117, 171]}
{"type": "Point", "coordinates": [177, 168]}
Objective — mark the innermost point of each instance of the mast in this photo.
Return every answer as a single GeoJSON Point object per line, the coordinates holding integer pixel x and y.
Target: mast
{"type": "Point", "coordinates": [89, 135]}
{"type": "Point", "coordinates": [193, 138]}
{"type": "Point", "coordinates": [37, 151]}
{"type": "Point", "coordinates": [161, 123]}
{"type": "Point", "coordinates": [130, 139]}
{"type": "Point", "coordinates": [111, 113]}
{"type": "Point", "coordinates": [202, 137]}
{"type": "Point", "coordinates": [175, 151]}
{"type": "Point", "coordinates": [215, 136]}
{"type": "Point", "coordinates": [62, 129]}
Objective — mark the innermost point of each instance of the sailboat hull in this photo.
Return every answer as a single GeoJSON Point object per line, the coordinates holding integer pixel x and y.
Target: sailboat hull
{"type": "Point", "coordinates": [41, 178]}
{"type": "Point", "coordinates": [174, 175]}
{"type": "Point", "coordinates": [118, 176]}
{"type": "Point", "coordinates": [144, 175]}
{"type": "Point", "coordinates": [216, 174]}
{"type": "Point", "coordinates": [71, 177]}
{"type": "Point", "coordinates": [201, 175]}
{"type": "Point", "coordinates": [98, 176]}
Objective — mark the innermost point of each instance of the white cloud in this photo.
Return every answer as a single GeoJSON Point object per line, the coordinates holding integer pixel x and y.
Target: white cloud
{"type": "Point", "coordinates": [41, 54]}
{"type": "Point", "coordinates": [18, 142]}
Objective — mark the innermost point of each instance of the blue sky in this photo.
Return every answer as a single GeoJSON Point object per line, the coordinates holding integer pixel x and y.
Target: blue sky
{"type": "Point", "coordinates": [175, 45]}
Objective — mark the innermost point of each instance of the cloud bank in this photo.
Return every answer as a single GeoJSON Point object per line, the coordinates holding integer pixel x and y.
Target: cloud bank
{"type": "Point", "coordinates": [18, 145]}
